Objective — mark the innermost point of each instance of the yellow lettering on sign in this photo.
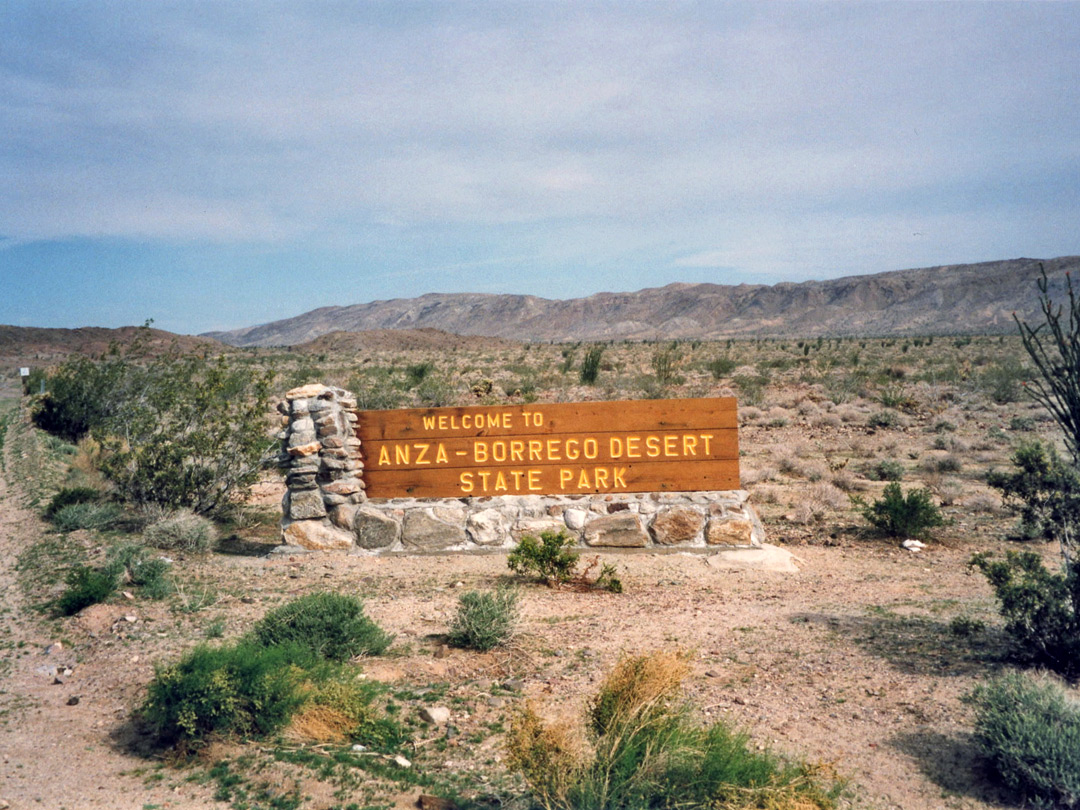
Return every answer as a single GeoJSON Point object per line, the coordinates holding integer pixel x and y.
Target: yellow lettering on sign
{"type": "Point", "coordinates": [440, 455]}
{"type": "Point", "coordinates": [600, 477]}
{"type": "Point", "coordinates": [518, 474]}
{"type": "Point", "coordinates": [498, 450]}
{"type": "Point", "coordinates": [615, 447]}
{"type": "Point", "coordinates": [429, 422]}
{"type": "Point", "coordinates": [583, 480]}
{"type": "Point", "coordinates": [421, 457]}
{"type": "Point", "coordinates": [553, 450]}
{"type": "Point", "coordinates": [536, 450]}
{"type": "Point", "coordinates": [669, 446]}
{"type": "Point", "coordinates": [480, 452]}
{"type": "Point", "coordinates": [571, 450]}
{"type": "Point", "coordinates": [534, 481]}
{"type": "Point", "coordinates": [484, 476]}
{"type": "Point", "coordinates": [517, 450]}
{"type": "Point", "coordinates": [401, 454]}
{"type": "Point", "coordinates": [618, 477]}
{"type": "Point", "coordinates": [689, 445]}
{"type": "Point", "coordinates": [465, 481]}
{"type": "Point", "coordinates": [633, 447]}
{"type": "Point", "coordinates": [500, 482]}
{"type": "Point", "coordinates": [707, 437]}
{"type": "Point", "coordinates": [384, 455]}
{"type": "Point", "coordinates": [565, 477]}
{"type": "Point", "coordinates": [592, 448]}
{"type": "Point", "coordinates": [652, 446]}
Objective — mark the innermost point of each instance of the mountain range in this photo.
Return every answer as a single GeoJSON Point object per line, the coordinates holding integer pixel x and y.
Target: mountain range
{"type": "Point", "coordinates": [966, 298]}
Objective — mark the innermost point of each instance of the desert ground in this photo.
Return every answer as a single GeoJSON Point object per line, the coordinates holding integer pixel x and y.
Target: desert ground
{"type": "Point", "coordinates": [856, 657]}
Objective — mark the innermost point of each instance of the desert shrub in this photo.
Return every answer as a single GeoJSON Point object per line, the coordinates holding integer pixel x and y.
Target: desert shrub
{"type": "Point", "coordinates": [133, 563]}
{"type": "Point", "coordinates": [640, 748]}
{"type": "Point", "coordinates": [721, 367]}
{"type": "Point", "coordinates": [1044, 490]}
{"type": "Point", "coordinates": [1022, 423]}
{"type": "Point", "coordinates": [68, 496]}
{"type": "Point", "coordinates": [1003, 380]}
{"type": "Point", "coordinates": [665, 363]}
{"type": "Point", "coordinates": [333, 626]}
{"type": "Point", "coordinates": [590, 364]}
{"type": "Point", "coordinates": [181, 531]}
{"type": "Point", "coordinates": [435, 391]}
{"type": "Point", "coordinates": [340, 707]}
{"type": "Point", "coordinates": [751, 388]}
{"type": "Point", "coordinates": [484, 620]}
{"type": "Point", "coordinates": [899, 515]}
{"type": "Point", "coordinates": [86, 585]}
{"type": "Point", "coordinates": [883, 419]}
{"type": "Point", "coordinates": [948, 464]}
{"type": "Point", "coordinates": [89, 515]}
{"type": "Point", "coordinates": [549, 558]}
{"type": "Point", "coordinates": [243, 689]}
{"type": "Point", "coordinates": [1039, 608]}
{"type": "Point", "coordinates": [81, 395]}
{"type": "Point", "coordinates": [886, 470]}
{"type": "Point", "coordinates": [1029, 730]}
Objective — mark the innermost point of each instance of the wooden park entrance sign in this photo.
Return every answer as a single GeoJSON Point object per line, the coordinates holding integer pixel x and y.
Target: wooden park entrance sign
{"type": "Point", "coordinates": [674, 445]}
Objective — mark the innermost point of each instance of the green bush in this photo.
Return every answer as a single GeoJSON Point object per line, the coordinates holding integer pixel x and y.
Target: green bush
{"type": "Point", "coordinates": [1044, 490]}
{"type": "Point", "coordinates": [69, 496]}
{"type": "Point", "coordinates": [348, 705]}
{"type": "Point", "coordinates": [484, 620]}
{"type": "Point", "coordinates": [721, 367]}
{"type": "Point", "coordinates": [134, 563]}
{"type": "Point", "coordinates": [182, 531]}
{"type": "Point", "coordinates": [244, 689]}
{"type": "Point", "coordinates": [331, 625]}
{"type": "Point", "coordinates": [1029, 729]}
{"type": "Point", "coordinates": [86, 586]}
{"type": "Point", "coordinates": [898, 515]}
{"type": "Point", "coordinates": [886, 470]}
{"type": "Point", "coordinates": [549, 559]}
{"type": "Point", "coordinates": [590, 365]}
{"type": "Point", "coordinates": [91, 515]}
{"type": "Point", "coordinates": [1039, 607]}
{"type": "Point", "coordinates": [640, 748]}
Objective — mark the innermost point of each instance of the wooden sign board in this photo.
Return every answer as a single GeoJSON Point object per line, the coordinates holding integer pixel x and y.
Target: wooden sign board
{"type": "Point", "coordinates": [673, 445]}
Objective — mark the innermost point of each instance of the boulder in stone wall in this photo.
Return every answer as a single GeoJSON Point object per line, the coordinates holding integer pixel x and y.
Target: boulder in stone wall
{"type": "Point", "coordinates": [307, 391]}
{"type": "Point", "coordinates": [534, 527]}
{"type": "Point", "coordinates": [454, 515]}
{"type": "Point", "coordinates": [342, 515]}
{"type": "Point", "coordinates": [299, 437]}
{"type": "Point", "coordinates": [730, 532]}
{"type": "Point", "coordinates": [374, 529]}
{"type": "Point", "coordinates": [575, 519]}
{"type": "Point", "coordinates": [488, 527]}
{"type": "Point", "coordinates": [305, 449]}
{"type": "Point", "coordinates": [315, 535]}
{"type": "Point", "coordinates": [333, 441]}
{"type": "Point", "coordinates": [425, 532]}
{"type": "Point", "coordinates": [677, 525]}
{"type": "Point", "coordinates": [306, 504]}
{"type": "Point", "coordinates": [621, 530]}
{"type": "Point", "coordinates": [346, 486]}
{"type": "Point", "coordinates": [303, 425]}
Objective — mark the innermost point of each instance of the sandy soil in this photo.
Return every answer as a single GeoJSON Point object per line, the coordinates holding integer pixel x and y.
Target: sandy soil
{"type": "Point", "coordinates": [848, 660]}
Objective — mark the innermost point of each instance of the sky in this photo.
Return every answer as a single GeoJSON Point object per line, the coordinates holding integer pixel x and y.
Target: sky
{"type": "Point", "coordinates": [214, 165]}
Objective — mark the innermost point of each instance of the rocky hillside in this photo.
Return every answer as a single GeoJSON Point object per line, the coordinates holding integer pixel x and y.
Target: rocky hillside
{"type": "Point", "coordinates": [970, 298]}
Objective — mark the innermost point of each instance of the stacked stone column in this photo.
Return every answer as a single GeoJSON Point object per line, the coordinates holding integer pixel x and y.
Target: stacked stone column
{"type": "Point", "coordinates": [321, 459]}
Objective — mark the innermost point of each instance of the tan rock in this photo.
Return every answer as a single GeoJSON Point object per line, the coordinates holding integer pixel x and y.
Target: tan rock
{"type": "Point", "coordinates": [346, 486]}
{"type": "Point", "coordinates": [306, 391]}
{"type": "Point", "coordinates": [316, 535]}
{"type": "Point", "coordinates": [342, 516]}
{"type": "Point", "coordinates": [677, 525]}
{"type": "Point", "coordinates": [620, 530]}
{"type": "Point", "coordinates": [305, 449]}
{"type": "Point", "coordinates": [730, 532]}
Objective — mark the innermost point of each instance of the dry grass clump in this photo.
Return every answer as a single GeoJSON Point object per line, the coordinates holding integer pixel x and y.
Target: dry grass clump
{"type": "Point", "coordinates": [639, 747]}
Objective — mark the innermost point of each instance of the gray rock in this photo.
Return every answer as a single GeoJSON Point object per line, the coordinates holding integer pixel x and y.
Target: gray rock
{"type": "Point", "coordinates": [306, 504]}
{"type": "Point", "coordinates": [374, 529]}
{"type": "Point", "coordinates": [575, 519]}
{"type": "Point", "coordinates": [621, 530]}
{"type": "Point", "coordinates": [425, 532]}
{"type": "Point", "coordinates": [436, 715]}
{"type": "Point", "coordinates": [488, 527]}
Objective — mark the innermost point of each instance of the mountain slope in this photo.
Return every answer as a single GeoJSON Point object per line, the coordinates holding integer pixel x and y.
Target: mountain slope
{"type": "Point", "coordinates": [947, 299]}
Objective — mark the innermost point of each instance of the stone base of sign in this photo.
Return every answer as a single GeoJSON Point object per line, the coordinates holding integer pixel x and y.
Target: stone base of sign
{"type": "Point", "coordinates": [706, 521]}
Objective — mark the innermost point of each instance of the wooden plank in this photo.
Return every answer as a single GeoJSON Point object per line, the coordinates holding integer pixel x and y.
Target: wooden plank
{"type": "Point", "coordinates": [567, 417]}
{"type": "Point", "coordinates": [556, 480]}
{"type": "Point", "coordinates": [517, 451]}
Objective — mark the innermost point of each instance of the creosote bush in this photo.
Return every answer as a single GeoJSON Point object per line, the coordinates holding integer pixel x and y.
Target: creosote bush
{"type": "Point", "coordinates": [899, 515]}
{"type": "Point", "coordinates": [1029, 730]}
{"type": "Point", "coordinates": [549, 558]}
{"type": "Point", "coordinates": [485, 620]}
{"type": "Point", "coordinates": [639, 747]}
{"type": "Point", "coordinates": [332, 625]}
{"type": "Point", "coordinates": [86, 585]}
{"type": "Point", "coordinates": [590, 365]}
{"type": "Point", "coordinates": [1039, 607]}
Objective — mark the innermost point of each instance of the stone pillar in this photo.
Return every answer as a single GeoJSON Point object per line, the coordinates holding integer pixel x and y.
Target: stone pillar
{"type": "Point", "coordinates": [320, 455]}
